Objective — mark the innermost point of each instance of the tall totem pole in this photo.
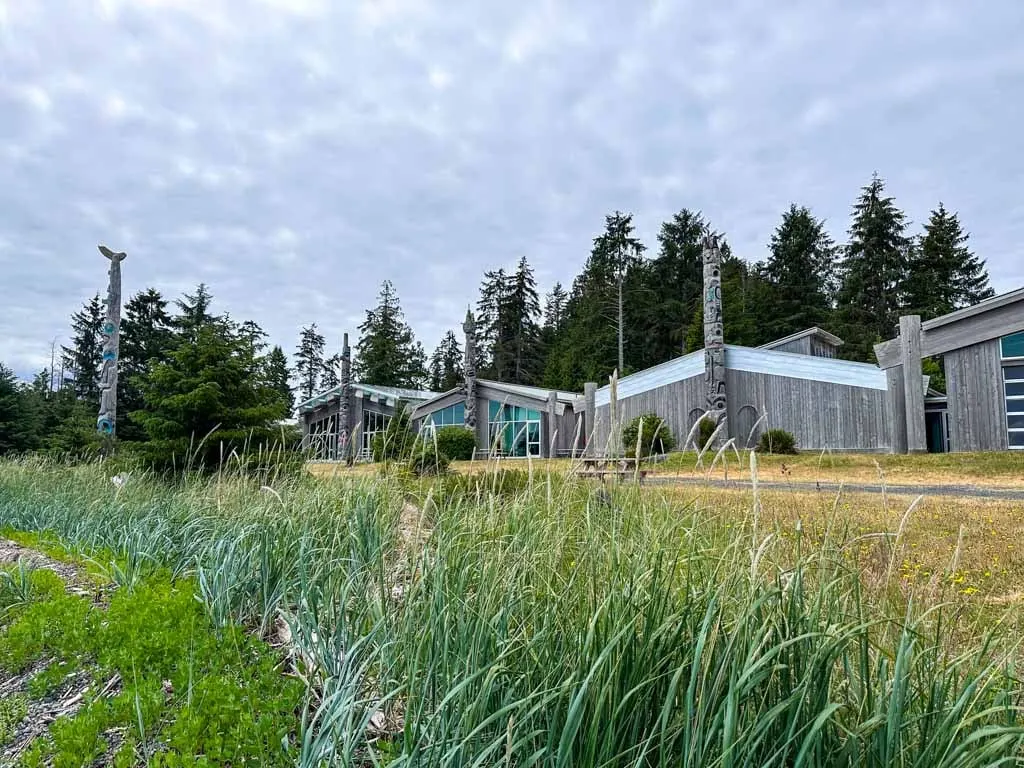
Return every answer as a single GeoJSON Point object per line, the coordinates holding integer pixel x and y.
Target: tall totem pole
{"type": "Point", "coordinates": [469, 366]}
{"type": "Point", "coordinates": [714, 339]}
{"type": "Point", "coordinates": [106, 422]}
{"type": "Point", "coordinates": [344, 433]}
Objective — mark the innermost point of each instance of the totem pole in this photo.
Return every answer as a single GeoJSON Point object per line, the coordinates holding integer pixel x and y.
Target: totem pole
{"type": "Point", "coordinates": [469, 327]}
{"type": "Point", "coordinates": [714, 341]}
{"type": "Point", "coordinates": [106, 423]}
{"type": "Point", "coordinates": [344, 434]}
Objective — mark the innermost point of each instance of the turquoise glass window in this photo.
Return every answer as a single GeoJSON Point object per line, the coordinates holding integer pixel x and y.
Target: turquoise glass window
{"type": "Point", "coordinates": [513, 430]}
{"type": "Point", "coordinates": [1013, 345]}
{"type": "Point", "coordinates": [452, 416]}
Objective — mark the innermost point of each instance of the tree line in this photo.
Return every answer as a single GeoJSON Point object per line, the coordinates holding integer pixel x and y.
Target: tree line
{"type": "Point", "coordinates": [187, 373]}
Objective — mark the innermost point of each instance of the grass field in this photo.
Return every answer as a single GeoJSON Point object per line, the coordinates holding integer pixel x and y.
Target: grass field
{"type": "Point", "coordinates": [377, 620]}
{"type": "Point", "coordinates": [997, 469]}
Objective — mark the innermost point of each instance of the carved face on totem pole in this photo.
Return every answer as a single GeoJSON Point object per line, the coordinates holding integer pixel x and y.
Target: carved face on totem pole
{"type": "Point", "coordinates": [714, 332]}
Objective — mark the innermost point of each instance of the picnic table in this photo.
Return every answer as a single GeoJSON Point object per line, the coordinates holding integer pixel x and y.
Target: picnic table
{"type": "Point", "coordinates": [622, 467]}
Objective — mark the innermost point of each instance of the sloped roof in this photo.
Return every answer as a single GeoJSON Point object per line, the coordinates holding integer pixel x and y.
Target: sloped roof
{"type": "Point", "coordinates": [829, 338]}
{"type": "Point", "coordinates": [388, 393]}
{"type": "Point", "coordinates": [539, 394]}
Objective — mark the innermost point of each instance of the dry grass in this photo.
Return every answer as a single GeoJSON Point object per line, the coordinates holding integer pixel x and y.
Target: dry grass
{"type": "Point", "coordinates": [988, 565]}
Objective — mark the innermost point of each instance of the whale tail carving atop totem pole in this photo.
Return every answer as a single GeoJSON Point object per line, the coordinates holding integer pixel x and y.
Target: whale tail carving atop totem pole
{"type": "Point", "coordinates": [714, 336]}
{"type": "Point", "coordinates": [106, 422]}
{"type": "Point", "coordinates": [469, 367]}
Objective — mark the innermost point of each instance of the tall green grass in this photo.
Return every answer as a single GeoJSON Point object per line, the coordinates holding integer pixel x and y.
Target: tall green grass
{"type": "Point", "coordinates": [553, 627]}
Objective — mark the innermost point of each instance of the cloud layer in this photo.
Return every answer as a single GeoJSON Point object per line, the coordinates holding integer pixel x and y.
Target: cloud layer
{"type": "Point", "coordinates": [295, 153]}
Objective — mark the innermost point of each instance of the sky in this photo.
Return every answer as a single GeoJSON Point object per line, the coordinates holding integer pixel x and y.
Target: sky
{"type": "Point", "coordinates": [293, 154]}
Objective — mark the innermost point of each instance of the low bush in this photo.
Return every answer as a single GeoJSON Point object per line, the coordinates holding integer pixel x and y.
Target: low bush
{"type": "Point", "coordinates": [707, 429]}
{"type": "Point", "coordinates": [777, 441]}
{"type": "Point", "coordinates": [457, 443]}
{"type": "Point", "coordinates": [397, 441]}
{"type": "Point", "coordinates": [652, 433]}
{"type": "Point", "coordinates": [427, 460]}
{"type": "Point", "coordinates": [503, 483]}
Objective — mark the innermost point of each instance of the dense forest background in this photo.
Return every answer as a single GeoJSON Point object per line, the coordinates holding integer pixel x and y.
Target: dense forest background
{"type": "Point", "coordinates": [189, 375]}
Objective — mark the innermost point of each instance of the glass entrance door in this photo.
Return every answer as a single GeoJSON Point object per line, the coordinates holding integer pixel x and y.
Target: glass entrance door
{"type": "Point", "coordinates": [513, 430]}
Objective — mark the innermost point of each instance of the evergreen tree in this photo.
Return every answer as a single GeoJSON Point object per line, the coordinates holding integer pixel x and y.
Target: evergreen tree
{"type": "Point", "coordinates": [801, 271]}
{"type": "Point", "coordinates": [673, 284]}
{"type": "Point", "coordinates": [194, 311]}
{"type": "Point", "coordinates": [873, 272]}
{"type": "Point", "coordinates": [944, 275]}
{"type": "Point", "coordinates": [330, 376]}
{"type": "Point", "coordinates": [522, 310]}
{"type": "Point", "coordinates": [85, 355]}
{"type": "Point", "coordinates": [554, 311]}
{"type": "Point", "coordinates": [309, 361]}
{"type": "Point", "coordinates": [278, 377]}
{"type": "Point", "coordinates": [446, 369]}
{"type": "Point", "coordinates": [19, 420]}
{"type": "Point", "coordinates": [492, 331]}
{"type": "Point", "coordinates": [387, 352]}
{"type": "Point", "coordinates": [146, 336]}
{"type": "Point", "coordinates": [207, 399]}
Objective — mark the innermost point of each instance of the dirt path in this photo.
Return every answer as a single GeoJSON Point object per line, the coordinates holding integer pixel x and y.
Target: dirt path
{"type": "Point", "coordinates": [11, 552]}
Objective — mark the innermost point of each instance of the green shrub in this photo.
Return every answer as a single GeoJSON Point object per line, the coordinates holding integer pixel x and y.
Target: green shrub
{"type": "Point", "coordinates": [707, 429]}
{"type": "Point", "coordinates": [397, 440]}
{"type": "Point", "coordinates": [457, 443]}
{"type": "Point", "coordinates": [426, 460]}
{"type": "Point", "coordinates": [777, 441]}
{"type": "Point", "coordinates": [503, 483]}
{"type": "Point", "coordinates": [656, 438]}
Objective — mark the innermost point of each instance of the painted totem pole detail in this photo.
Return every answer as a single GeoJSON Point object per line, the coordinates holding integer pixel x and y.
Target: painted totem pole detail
{"type": "Point", "coordinates": [469, 327]}
{"type": "Point", "coordinates": [714, 340]}
{"type": "Point", "coordinates": [106, 423]}
{"type": "Point", "coordinates": [344, 434]}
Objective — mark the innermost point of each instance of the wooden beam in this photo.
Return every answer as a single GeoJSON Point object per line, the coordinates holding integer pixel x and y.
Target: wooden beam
{"type": "Point", "coordinates": [913, 392]}
{"type": "Point", "coordinates": [590, 411]}
{"type": "Point", "coordinates": [888, 353]}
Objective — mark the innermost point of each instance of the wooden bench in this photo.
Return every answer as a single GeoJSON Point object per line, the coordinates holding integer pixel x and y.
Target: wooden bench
{"type": "Point", "coordinates": [620, 474]}
{"type": "Point", "coordinates": [622, 468]}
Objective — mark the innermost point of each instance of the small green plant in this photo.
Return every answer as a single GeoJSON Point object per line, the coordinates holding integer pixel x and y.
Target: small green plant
{"type": "Point", "coordinates": [397, 441]}
{"type": "Point", "coordinates": [427, 460]}
{"type": "Point", "coordinates": [457, 443]}
{"type": "Point", "coordinates": [652, 434]}
{"type": "Point", "coordinates": [706, 430]}
{"type": "Point", "coordinates": [777, 441]}
{"type": "Point", "coordinates": [13, 709]}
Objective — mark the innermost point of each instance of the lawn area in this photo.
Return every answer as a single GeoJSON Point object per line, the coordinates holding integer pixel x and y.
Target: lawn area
{"type": "Point", "coordinates": [1002, 469]}
{"type": "Point", "coordinates": [518, 620]}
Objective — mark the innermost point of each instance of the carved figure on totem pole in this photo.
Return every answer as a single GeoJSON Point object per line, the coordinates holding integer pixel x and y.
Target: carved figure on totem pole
{"type": "Point", "coordinates": [110, 332]}
{"type": "Point", "coordinates": [344, 415]}
{"type": "Point", "coordinates": [469, 366]}
{"type": "Point", "coordinates": [714, 337]}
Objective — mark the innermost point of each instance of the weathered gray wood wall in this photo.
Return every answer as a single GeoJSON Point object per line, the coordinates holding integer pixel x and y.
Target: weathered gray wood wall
{"type": "Point", "coordinates": [819, 414]}
{"type": "Point", "coordinates": [800, 346]}
{"type": "Point", "coordinates": [674, 402]}
{"type": "Point", "coordinates": [974, 389]}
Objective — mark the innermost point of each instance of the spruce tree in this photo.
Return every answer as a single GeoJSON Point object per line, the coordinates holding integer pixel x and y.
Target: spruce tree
{"type": "Point", "coordinates": [873, 273]}
{"type": "Point", "coordinates": [278, 377]}
{"type": "Point", "coordinates": [19, 419]}
{"type": "Point", "coordinates": [673, 285]}
{"type": "Point", "coordinates": [85, 355]}
{"type": "Point", "coordinates": [146, 336]}
{"type": "Point", "coordinates": [387, 353]}
{"type": "Point", "coordinates": [194, 311]}
{"type": "Point", "coordinates": [492, 330]}
{"type": "Point", "coordinates": [309, 361]}
{"type": "Point", "coordinates": [522, 310]}
{"type": "Point", "coordinates": [330, 376]}
{"type": "Point", "coordinates": [800, 271]}
{"type": "Point", "coordinates": [944, 275]}
{"type": "Point", "coordinates": [446, 368]}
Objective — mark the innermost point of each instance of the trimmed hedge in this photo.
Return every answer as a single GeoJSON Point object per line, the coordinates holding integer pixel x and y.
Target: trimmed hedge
{"type": "Point", "coordinates": [777, 441]}
{"type": "Point", "coordinates": [457, 443]}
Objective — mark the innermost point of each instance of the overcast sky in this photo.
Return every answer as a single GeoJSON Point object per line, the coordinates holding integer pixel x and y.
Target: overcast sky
{"type": "Point", "coordinates": [294, 153]}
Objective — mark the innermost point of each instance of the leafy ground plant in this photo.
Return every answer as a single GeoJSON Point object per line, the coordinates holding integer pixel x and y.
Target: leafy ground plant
{"type": "Point", "coordinates": [559, 625]}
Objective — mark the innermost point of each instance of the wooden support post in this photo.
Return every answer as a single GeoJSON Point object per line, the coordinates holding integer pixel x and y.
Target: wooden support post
{"type": "Point", "coordinates": [552, 420]}
{"type": "Point", "coordinates": [589, 417]}
{"type": "Point", "coordinates": [614, 432]}
{"type": "Point", "coordinates": [897, 409]}
{"type": "Point", "coordinates": [913, 387]}
{"type": "Point", "coordinates": [345, 407]}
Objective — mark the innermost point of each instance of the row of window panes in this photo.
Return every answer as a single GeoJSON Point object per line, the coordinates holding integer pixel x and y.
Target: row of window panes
{"type": "Point", "coordinates": [1012, 346]}
{"type": "Point", "coordinates": [1013, 385]}
{"type": "Point", "coordinates": [452, 416]}
{"type": "Point", "coordinates": [515, 430]}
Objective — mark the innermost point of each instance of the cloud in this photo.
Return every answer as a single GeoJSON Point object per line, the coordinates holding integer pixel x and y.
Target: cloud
{"type": "Point", "coordinates": [295, 154]}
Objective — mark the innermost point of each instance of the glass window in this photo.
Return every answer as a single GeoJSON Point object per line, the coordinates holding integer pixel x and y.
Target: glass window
{"type": "Point", "coordinates": [1015, 420]}
{"type": "Point", "coordinates": [1015, 389]}
{"type": "Point", "coordinates": [452, 416]}
{"type": "Point", "coordinates": [1017, 438]}
{"type": "Point", "coordinates": [1013, 373]}
{"type": "Point", "coordinates": [514, 430]}
{"type": "Point", "coordinates": [1013, 345]}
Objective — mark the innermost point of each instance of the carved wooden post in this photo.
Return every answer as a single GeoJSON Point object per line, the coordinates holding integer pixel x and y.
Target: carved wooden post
{"type": "Point", "coordinates": [106, 422]}
{"type": "Point", "coordinates": [913, 387]}
{"type": "Point", "coordinates": [552, 419]}
{"type": "Point", "coordinates": [344, 408]}
{"type": "Point", "coordinates": [614, 448]}
{"type": "Point", "coordinates": [589, 417]}
{"type": "Point", "coordinates": [714, 340]}
{"type": "Point", "coordinates": [469, 365]}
